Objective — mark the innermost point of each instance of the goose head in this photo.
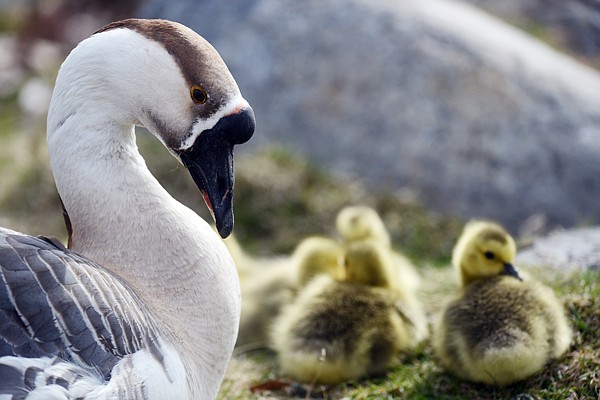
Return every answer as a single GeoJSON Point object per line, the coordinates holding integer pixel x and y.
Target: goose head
{"type": "Point", "coordinates": [369, 262]}
{"type": "Point", "coordinates": [484, 249]}
{"type": "Point", "coordinates": [315, 256]}
{"type": "Point", "coordinates": [359, 223]}
{"type": "Point", "coordinates": [165, 77]}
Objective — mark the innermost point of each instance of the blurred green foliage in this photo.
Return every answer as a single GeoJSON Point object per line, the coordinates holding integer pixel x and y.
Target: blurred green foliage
{"type": "Point", "coordinates": [282, 197]}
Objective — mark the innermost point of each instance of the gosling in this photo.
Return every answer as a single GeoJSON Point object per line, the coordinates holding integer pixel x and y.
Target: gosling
{"type": "Point", "coordinates": [266, 284]}
{"type": "Point", "coordinates": [267, 288]}
{"type": "Point", "coordinates": [317, 255]}
{"type": "Point", "coordinates": [335, 331]}
{"type": "Point", "coordinates": [502, 329]}
{"type": "Point", "coordinates": [356, 223]}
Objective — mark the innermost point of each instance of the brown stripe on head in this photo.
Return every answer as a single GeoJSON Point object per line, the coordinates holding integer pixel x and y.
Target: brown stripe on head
{"type": "Point", "coordinates": [196, 58]}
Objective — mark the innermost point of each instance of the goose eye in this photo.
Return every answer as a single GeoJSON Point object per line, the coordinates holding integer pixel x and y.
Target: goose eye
{"type": "Point", "coordinates": [198, 94]}
{"type": "Point", "coordinates": [489, 255]}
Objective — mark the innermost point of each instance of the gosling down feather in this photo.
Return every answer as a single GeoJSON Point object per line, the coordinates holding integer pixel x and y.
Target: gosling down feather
{"type": "Point", "coordinates": [145, 302]}
{"type": "Point", "coordinates": [335, 331]}
{"type": "Point", "coordinates": [503, 328]}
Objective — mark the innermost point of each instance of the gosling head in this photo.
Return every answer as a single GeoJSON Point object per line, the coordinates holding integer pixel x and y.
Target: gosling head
{"type": "Point", "coordinates": [369, 262]}
{"type": "Point", "coordinates": [484, 249]}
{"type": "Point", "coordinates": [315, 256]}
{"type": "Point", "coordinates": [163, 76]}
{"type": "Point", "coordinates": [360, 223]}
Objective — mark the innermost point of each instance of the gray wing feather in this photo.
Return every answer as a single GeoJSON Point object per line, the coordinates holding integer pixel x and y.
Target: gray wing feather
{"type": "Point", "coordinates": [54, 302]}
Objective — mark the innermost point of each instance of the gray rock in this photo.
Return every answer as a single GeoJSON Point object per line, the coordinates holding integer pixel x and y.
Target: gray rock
{"type": "Point", "coordinates": [575, 249]}
{"type": "Point", "coordinates": [572, 24]}
{"type": "Point", "coordinates": [432, 96]}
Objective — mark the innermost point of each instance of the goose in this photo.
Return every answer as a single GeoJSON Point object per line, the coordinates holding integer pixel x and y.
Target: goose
{"type": "Point", "coordinates": [144, 303]}
{"type": "Point", "coordinates": [503, 327]}
{"type": "Point", "coordinates": [359, 222]}
{"type": "Point", "coordinates": [267, 288]}
{"type": "Point", "coordinates": [335, 331]}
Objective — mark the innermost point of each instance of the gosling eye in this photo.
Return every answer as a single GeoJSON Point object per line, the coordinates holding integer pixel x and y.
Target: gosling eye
{"type": "Point", "coordinates": [489, 255]}
{"type": "Point", "coordinates": [198, 94]}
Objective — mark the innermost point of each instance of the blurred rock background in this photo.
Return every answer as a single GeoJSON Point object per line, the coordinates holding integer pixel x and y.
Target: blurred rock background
{"type": "Point", "coordinates": [432, 111]}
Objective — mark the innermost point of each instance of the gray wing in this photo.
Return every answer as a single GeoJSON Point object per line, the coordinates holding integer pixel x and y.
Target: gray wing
{"type": "Point", "coordinates": [54, 302]}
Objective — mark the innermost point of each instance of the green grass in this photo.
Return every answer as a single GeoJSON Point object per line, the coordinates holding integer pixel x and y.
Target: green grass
{"type": "Point", "coordinates": [576, 376]}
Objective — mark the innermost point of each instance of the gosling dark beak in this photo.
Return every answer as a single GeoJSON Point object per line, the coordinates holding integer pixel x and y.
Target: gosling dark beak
{"type": "Point", "coordinates": [511, 270]}
{"type": "Point", "coordinates": [210, 162]}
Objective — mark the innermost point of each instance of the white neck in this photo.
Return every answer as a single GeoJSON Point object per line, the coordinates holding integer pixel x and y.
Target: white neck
{"type": "Point", "coordinates": [124, 220]}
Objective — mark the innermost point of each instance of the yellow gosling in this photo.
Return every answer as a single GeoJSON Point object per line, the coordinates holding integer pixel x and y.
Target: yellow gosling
{"type": "Point", "coordinates": [334, 331]}
{"type": "Point", "coordinates": [267, 283]}
{"type": "Point", "coordinates": [317, 255]}
{"type": "Point", "coordinates": [270, 283]}
{"type": "Point", "coordinates": [356, 223]}
{"type": "Point", "coordinates": [502, 328]}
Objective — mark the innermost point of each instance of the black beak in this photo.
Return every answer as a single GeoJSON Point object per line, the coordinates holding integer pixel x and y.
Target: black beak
{"type": "Point", "coordinates": [210, 162]}
{"type": "Point", "coordinates": [511, 270]}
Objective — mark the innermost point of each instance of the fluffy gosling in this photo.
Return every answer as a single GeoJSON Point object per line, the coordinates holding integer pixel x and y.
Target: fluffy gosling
{"type": "Point", "coordinates": [266, 284]}
{"type": "Point", "coordinates": [356, 223]}
{"type": "Point", "coordinates": [335, 331]}
{"type": "Point", "coordinates": [249, 266]}
{"type": "Point", "coordinates": [268, 287]}
{"type": "Point", "coordinates": [501, 329]}
{"type": "Point", "coordinates": [317, 255]}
